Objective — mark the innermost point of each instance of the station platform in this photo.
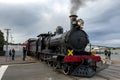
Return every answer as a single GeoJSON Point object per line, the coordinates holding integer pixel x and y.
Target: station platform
{"type": "Point", "coordinates": [5, 60]}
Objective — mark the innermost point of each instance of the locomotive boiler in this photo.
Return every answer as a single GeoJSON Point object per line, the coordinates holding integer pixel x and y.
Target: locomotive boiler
{"type": "Point", "coordinates": [75, 39]}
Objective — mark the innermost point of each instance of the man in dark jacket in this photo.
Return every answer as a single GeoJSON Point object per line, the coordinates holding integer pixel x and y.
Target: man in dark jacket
{"type": "Point", "coordinates": [106, 53]}
{"type": "Point", "coordinates": [24, 53]}
{"type": "Point", "coordinates": [13, 54]}
{"type": "Point", "coordinates": [109, 54]}
{"type": "Point", "coordinates": [10, 53]}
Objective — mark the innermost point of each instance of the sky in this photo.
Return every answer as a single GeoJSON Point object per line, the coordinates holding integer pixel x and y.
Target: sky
{"type": "Point", "coordinates": [29, 18]}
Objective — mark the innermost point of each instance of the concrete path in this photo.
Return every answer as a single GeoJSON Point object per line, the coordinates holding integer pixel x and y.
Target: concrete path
{"type": "Point", "coordinates": [18, 60]}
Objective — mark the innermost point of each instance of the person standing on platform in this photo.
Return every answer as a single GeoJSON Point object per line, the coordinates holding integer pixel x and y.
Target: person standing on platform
{"type": "Point", "coordinates": [24, 53]}
{"type": "Point", "coordinates": [106, 53]}
{"type": "Point", "coordinates": [13, 54]}
{"type": "Point", "coordinates": [10, 53]}
{"type": "Point", "coordinates": [93, 52]}
{"type": "Point", "coordinates": [109, 54]}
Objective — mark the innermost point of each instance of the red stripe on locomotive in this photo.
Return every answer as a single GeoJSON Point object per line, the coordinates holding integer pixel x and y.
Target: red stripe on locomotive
{"type": "Point", "coordinates": [79, 58]}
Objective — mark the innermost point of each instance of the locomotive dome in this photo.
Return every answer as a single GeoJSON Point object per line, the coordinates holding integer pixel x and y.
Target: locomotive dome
{"type": "Point", "coordinates": [59, 30]}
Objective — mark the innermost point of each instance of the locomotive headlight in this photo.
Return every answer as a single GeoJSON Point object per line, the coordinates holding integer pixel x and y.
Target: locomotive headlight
{"type": "Point", "coordinates": [80, 23]}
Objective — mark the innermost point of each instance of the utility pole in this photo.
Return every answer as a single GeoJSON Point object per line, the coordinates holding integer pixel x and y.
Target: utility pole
{"type": "Point", "coordinates": [11, 41]}
{"type": "Point", "coordinates": [7, 38]}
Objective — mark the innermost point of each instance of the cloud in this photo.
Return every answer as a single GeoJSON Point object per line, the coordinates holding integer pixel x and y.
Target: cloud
{"type": "Point", "coordinates": [102, 23]}
{"type": "Point", "coordinates": [20, 1]}
{"type": "Point", "coordinates": [29, 19]}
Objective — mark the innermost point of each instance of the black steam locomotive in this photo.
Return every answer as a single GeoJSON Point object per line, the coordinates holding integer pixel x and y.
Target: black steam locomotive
{"type": "Point", "coordinates": [65, 51]}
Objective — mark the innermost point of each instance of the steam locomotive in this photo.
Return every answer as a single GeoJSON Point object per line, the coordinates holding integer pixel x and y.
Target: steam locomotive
{"type": "Point", "coordinates": [65, 51]}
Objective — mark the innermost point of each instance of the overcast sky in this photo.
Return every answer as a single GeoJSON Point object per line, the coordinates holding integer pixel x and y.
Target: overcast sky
{"type": "Point", "coordinates": [29, 18]}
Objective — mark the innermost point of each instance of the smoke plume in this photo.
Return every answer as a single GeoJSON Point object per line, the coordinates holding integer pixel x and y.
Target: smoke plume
{"type": "Point", "coordinates": [76, 4]}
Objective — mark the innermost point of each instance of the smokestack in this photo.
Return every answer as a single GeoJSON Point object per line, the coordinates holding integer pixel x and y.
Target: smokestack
{"type": "Point", "coordinates": [73, 20]}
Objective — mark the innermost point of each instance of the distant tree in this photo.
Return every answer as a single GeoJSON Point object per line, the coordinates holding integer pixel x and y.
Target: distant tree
{"type": "Point", "coordinates": [2, 41]}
